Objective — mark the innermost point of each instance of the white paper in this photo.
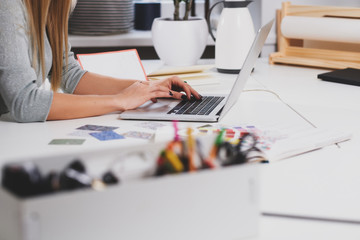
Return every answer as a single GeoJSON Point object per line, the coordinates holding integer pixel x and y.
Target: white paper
{"type": "Point", "coordinates": [321, 28]}
{"type": "Point", "coordinates": [171, 70]}
{"type": "Point", "coordinates": [304, 140]}
{"type": "Point", "coordinates": [124, 64]}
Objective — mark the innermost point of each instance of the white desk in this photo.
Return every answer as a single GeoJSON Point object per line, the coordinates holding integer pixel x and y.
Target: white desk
{"type": "Point", "coordinates": [273, 228]}
{"type": "Point", "coordinates": [296, 186]}
{"type": "Point", "coordinates": [33, 138]}
{"type": "Point", "coordinates": [320, 184]}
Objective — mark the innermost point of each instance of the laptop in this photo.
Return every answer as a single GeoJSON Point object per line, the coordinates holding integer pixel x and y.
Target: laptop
{"type": "Point", "coordinates": [212, 107]}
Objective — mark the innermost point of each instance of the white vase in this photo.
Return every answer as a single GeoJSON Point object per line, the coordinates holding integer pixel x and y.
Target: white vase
{"type": "Point", "coordinates": [179, 43]}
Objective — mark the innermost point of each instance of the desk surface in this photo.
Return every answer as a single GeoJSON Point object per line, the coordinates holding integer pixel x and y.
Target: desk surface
{"type": "Point", "coordinates": [319, 184]}
{"type": "Point", "coordinates": [33, 138]}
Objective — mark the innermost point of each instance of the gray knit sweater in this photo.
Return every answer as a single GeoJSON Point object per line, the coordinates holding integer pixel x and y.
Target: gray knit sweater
{"type": "Point", "coordinates": [21, 93]}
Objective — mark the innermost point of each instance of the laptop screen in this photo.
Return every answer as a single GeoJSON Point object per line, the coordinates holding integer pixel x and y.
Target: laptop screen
{"type": "Point", "coordinates": [247, 67]}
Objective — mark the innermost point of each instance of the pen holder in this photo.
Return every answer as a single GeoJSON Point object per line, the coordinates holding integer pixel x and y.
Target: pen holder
{"type": "Point", "coordinates": [138, 208]}
{"type": "Point", "coordinates": [194, 153]}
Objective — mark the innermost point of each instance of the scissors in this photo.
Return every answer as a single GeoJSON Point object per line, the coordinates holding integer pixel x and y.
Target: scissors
{"type": "Point", "coordinates": [230, 154]}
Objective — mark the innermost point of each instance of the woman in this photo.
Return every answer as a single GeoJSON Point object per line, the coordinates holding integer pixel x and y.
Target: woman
{"type": "Point", "coordinates": [34, 46]}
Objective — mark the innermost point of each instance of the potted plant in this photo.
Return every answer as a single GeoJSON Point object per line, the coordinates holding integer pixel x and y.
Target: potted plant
{"type": "Point", "coordinates": [181, 40]}
{"type": "Point", "coordinates": [188, 4]}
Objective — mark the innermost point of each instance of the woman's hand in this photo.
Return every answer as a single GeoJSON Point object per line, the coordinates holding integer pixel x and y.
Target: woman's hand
{"type": "Point", "coordinates": [143, 91]}
{"type": "Point", "coordinates": [177, 85]}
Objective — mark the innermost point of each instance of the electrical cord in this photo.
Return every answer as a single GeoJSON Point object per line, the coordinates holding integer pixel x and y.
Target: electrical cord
{"type": "Point", "coordinates": [288, 105]}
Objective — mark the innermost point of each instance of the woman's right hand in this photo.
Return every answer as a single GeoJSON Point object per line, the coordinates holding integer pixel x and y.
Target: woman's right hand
{"type": "Point", "coordinates": [141, 92]}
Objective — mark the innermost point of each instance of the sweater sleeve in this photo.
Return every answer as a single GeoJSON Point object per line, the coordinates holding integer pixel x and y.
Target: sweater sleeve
{"type": "Point", "coordinates": [72, 73]}
{"type": "Point", "coordinates": [18, 88]}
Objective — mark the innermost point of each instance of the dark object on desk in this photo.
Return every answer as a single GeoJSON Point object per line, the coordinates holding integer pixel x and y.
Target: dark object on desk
{"type": "Point", "coordinates": [206, 8]}
{"type": "Point", "coordinates": [145, 13]}
{"type": "Point", "coordinates": [232, 154]}
{"type": "Point", "coordinates": [193, 9]}
{"type": "Point", "coordinates": [74, 177]}
{"type": "Point", "coordinates": [347, 76]}
{"type": "Point", "coordinates": [23, 180]}
{"type": "Point", "coordinates": [78, 166]}
{"type": "Point", "coordinates": [109, 178]}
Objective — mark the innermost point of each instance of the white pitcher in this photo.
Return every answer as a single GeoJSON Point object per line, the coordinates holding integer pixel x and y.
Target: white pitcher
{"type": "Point", "coordinates": [234, 36]}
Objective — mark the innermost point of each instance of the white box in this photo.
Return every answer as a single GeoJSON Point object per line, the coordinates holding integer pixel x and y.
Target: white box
{"type": "Point", "coordinates": [209, 204]}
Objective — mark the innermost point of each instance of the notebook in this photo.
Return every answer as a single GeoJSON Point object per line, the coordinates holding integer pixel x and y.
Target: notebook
{"type": "Point", "coordinates": [212, 107]}
{"type": "Point", "coordinates": [125, 64]}
{"type": "Point", "coordinates": [347, 76]}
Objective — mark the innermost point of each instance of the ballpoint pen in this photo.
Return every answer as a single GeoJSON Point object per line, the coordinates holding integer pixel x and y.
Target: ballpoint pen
{"type": "Point", "coordinates": [176, 131]}
{"type": "Point", "coordinates": [210, 161]}
{"type": "Point", "coordinates": [191, 150]}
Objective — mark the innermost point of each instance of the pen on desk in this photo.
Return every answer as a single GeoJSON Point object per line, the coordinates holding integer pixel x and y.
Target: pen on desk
{"type": "Point", "coordinates": [210, 161]}
{"type": "Point", "coordinates": [191, 150]}
{"type": "Point", "coordinates": [174, 160]}
{"type": "Point", "coordinates": [176, 130]}
{"type": "Point", "coordinates": [200, 150]}
{"type": "Point", "coordinates": [161, 165]}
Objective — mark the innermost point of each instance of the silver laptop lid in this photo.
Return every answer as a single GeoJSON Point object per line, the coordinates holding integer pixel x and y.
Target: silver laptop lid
{"type": "Point", "coordinates": [247, 67]}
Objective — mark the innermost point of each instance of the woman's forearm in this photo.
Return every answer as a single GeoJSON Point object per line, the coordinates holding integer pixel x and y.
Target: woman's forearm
{"type": "Point", "coordinates": [96, 95]}
{"type": "Point", "coordinates": [92, 83]}
{"type": "Point", "coordinates": [68, 106]}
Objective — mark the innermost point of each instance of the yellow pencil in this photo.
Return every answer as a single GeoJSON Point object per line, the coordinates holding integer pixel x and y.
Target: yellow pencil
{"type": "Point", "coordinates": [191, 150]}
{"type": "Point", "coordinates": [174, 160]}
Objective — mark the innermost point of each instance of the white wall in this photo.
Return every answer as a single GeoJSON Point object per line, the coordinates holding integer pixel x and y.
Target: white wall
{"type": "Point", "coordinates": [167, 9]}
{"type": "Point", "coordinates": [262, 11]}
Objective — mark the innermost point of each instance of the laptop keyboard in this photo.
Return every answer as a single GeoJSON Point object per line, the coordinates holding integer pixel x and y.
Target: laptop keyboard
{"type": "Point", "coordinates": [197, 107]}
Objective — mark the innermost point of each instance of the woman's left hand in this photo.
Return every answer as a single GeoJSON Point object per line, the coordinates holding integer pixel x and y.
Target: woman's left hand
{"type": "Point", "coordinates": [176, 85]}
